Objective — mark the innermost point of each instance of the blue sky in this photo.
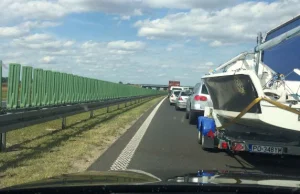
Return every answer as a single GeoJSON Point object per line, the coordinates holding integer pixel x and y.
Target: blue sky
{"type": "Point", "coordinates": [149, 41]}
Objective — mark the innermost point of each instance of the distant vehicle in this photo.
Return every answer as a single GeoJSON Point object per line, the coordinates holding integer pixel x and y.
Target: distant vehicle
{"type": "Point", "coordinates": [181, 100]}
{"type": "Point", "coordinates": [172, 83]}
{"type": "Point", "coordinates": [197, 102]}
{"type": "Point", "coordinates": [173, 96]}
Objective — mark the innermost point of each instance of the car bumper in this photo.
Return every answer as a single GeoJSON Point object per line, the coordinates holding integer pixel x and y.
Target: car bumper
{"type": "Point", "coordinates": [181, 104]}
{"type": "Point", "coordinates": [172, 101]}
{"type": "Point", "coordinates": [197, 108]}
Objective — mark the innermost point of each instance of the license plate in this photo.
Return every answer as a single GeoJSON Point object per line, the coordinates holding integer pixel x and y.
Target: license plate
{"type": "Point", "coordinates": [266, 149]}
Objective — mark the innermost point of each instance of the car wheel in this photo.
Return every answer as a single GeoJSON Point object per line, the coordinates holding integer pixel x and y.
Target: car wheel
{"type": "Point", "coordinates": [176, 107]}
{"type": "Point", "coordinates": [200, 138]}
{"type": "Point", "coordinates": [186, 114]}
{"type": "Point", "coordinates": [192, 118]}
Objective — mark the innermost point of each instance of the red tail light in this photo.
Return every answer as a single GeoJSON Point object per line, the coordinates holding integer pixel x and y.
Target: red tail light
{"type": "Point", "coordinates": [211, 134]}
{"type": "Point", "coordinates": [180, 98]}
{"type": "Point", "coordinates": [200, 98]}
{"type": "Point", "coordinates": [224, 145]}
{"type": "Point", "coordinates": [238, 147]}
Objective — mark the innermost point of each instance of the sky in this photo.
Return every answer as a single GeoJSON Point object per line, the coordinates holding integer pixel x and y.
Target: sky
{"type": "Point", "coordinates": [134, 41]}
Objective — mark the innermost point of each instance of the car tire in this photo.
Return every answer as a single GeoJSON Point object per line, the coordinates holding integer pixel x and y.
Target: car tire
{"type": "Point", "coordinates": [187, 114]}
{"type": "Point", "coordinates": [200, 137]}
{"type": "Point", "coordinates": [176, 107]}
{"type": "Point", "coordinates": [192, 118]}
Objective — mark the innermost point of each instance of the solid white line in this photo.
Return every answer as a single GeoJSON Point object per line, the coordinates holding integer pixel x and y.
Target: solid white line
{"type": "Point", "coordinates": [126, 155]}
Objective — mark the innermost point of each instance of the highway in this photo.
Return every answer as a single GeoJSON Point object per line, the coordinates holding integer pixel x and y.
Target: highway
{"type": "Point", "coordinates": [167, 146]}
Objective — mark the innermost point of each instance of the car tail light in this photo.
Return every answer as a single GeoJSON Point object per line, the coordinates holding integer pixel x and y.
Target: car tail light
{"type": "Point", "coordinates": [211, 134]}
{"type": "Point", "coordinates": [200, 98]}
{"type": "Point", "coordinates": [224, 145]}
{"type": "Point", "coordinates": [180, 98]}
{"type": "Point", "coordinates": [238, 147]}
{"type": "Point", "coordinates": [172, 96]}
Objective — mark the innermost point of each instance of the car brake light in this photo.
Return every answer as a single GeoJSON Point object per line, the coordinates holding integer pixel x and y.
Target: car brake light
{"type": "Point", "coordinates": [180, 98]}
{"type": "Point", "coordinates": [224, 145]}
{"type": "Point", "coordinates": [238, 147]}
{"type": "Point", "coordinates": [200, 98]}
{"type": "Point", "coordinates": [211, 134]}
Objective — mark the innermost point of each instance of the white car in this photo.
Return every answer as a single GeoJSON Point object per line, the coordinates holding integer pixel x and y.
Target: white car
{"type": "Point", "coordinates": [173, 96]}
{"type": "Point", "coordinates": [177, 88]}
{"type": "Point", "coordinates": [196, 103]}
{"type": "Point", "coordinates": [181, 100]}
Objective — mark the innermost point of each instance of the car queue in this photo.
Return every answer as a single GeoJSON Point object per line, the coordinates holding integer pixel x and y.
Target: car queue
{"type": "Point", "coordinates": [192, 101]}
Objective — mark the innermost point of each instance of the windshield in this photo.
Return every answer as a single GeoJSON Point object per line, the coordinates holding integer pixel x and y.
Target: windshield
{"type": "Point", "coordinates": [92, 87]}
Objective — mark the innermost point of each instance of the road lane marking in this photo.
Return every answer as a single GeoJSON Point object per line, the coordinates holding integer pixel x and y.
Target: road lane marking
{"type": "Point", "coordinates": [126, 155]}
{"type": "Point", "coordinates": [182, 119]}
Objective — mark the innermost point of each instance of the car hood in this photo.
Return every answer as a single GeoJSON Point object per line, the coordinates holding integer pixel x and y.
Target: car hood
{"type": "Point", "coordinates": [137, 177]}
{"type": "Point", "coordinates": [225, 177]}
{"type": "Point", "coordinates": [90, 178]}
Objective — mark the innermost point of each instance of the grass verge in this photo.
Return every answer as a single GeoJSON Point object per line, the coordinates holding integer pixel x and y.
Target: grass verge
{"type": "Point", "coordinates": [45, 150]}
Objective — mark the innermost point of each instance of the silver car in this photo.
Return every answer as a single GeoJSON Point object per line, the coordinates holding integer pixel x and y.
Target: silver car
{"type": "Point", "coordinates": [196, 103]}
{"type": "Point", "coordinates": [180, 102]}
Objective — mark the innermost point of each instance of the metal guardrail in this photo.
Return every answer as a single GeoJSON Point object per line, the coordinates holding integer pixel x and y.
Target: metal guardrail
{"type": "Point", "coordinates": [17, 120]}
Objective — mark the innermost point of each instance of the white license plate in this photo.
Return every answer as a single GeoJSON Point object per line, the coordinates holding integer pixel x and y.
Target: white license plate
{"type": "Point", "coordinates": [266, 149]}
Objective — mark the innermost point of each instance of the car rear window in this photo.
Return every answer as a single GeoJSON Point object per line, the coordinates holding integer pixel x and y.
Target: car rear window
{"type": "Point", "coordinates": [176, 93]}
{"type": "Point", "coordinates": [185, 94]}
{"type": "Point", "coordinates": [204, 90]}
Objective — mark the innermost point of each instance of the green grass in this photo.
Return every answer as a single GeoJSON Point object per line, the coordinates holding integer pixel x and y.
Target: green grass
{"type": "Point", "coordinates": [45, 150]}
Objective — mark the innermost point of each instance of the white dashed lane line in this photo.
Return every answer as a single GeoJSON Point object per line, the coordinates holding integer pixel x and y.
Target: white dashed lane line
{"type": "Point", "coordinates": [126, 155]}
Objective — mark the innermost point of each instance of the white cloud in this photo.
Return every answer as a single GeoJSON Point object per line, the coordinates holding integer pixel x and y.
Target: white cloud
{"type": "Point", "coordinates": [11, 31]}
{"type": "Point", "coordinates": [234, 24]}
{"type": "Point", "coordinates": [171, 47]}
{"type": "Point", "coordinates": [37, 37]}
{"type": "Point", "coordinates": [209, 63]}
{"type": "Point", "coordinates": [123, 45]}
{"type": "Point", "coordinates": [121, 52]}
{"type": "Point", "coordinates": [53, 9]}
{"type": "Point", "coordinates": [47, 59]}
{"type": "Point", "coordinates": [161, 75]}
{"type": "Point", "coordinates": [29, 9]}
{"type": "Point", "coordinates": [188, 4]}
{"type": "Point", "coordinates": [24, 28]}
{"type": "Point", "coordinates": [41, 41]}
{"type": "Point", "coordinates": [202, 67]}
{"type": "Point", "coordinates": [125, 17]}
{"type": "Point", "coordinates": [89, 44]}
{"type": "Point", "coordinates": [68, 43]}
{"type": "Point", "coordinates": [215, 43]}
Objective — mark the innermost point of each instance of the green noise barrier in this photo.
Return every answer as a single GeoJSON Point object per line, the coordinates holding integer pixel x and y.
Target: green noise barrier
{"type": "Point", "coordinates": [34, 87]}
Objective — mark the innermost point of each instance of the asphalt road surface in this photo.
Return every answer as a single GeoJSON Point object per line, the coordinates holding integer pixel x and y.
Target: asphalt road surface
{"type": "Point", "coordinates": [167, 146]}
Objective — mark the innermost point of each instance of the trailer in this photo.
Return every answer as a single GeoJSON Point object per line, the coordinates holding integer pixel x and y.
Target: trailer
{"type": "Point", "coordinates": [275, 60]}
{"type": "Point", "coordinates": [234, 141]}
